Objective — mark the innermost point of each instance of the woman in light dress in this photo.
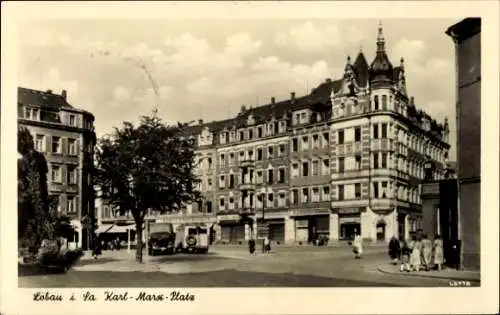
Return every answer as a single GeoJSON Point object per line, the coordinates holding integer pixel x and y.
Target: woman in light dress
{"type": "Point", "coordinates": [415, 257]}
{"type": "Point", "coordinates": [358, 246]}
{"type": "Point", "coordinates": [438, 252]}
{"type": "Point", "coordinates": [426, 252]}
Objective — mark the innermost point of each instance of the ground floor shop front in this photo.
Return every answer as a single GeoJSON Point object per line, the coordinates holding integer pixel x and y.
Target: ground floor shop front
{"type": "Point", "coordinates": [340, 225]}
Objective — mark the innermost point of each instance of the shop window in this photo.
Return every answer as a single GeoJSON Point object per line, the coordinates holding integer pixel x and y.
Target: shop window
{"type": "Point", "coordinates": [381, 227]}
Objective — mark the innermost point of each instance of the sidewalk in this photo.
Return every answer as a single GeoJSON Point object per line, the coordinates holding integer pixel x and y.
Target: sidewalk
{"type": "Point", "coordinates": [452, 274]}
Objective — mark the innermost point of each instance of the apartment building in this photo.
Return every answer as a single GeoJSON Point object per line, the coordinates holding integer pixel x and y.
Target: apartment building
{"type": "Point", "coordinates": [347, 158]}
{"type": "Point", "coordinates": [65, 135]}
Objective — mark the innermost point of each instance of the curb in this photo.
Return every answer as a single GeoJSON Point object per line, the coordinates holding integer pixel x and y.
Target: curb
{"type": "Point", "coordinates": [428, 275]}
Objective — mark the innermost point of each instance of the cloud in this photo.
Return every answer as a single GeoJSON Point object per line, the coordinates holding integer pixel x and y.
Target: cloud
{"type": "Point", "coordinates": [242, 44]}
{"type": "Point", "coordinates": [312, 37]}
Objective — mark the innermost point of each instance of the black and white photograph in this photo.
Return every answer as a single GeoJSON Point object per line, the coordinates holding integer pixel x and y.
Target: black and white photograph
{"type": "Point", "coordinates": [159, 156]}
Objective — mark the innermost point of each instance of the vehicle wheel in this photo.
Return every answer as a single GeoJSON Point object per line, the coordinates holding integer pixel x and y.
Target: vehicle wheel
{"type": "Point", "coordinates": [191, 240]}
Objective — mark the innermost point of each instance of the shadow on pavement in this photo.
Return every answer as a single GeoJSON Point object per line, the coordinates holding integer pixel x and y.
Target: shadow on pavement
{"type": "Point", "coordinates": [188, 258]}
{"type": "Point", "coordinates": [95, 261]}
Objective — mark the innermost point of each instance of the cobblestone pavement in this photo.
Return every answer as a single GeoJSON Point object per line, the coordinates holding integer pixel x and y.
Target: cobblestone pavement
{"type": "Point", "coordinates": [286, 266]}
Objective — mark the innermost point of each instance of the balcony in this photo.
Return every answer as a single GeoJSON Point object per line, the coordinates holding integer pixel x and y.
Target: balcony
{"type": "Point", "coordinates": [247, 162]}
{"type": "Point", "coordinates": [382, 204]}
{"type": "Point", "coordinates": [247, 186]}
{"type": "Point", "coordinates": [382, 145]}
{"type": "Point", "coordinates": [349, 174]}
{"type": "Point", "coordinates": [349, 203]}
{"type": "Point", "coordinates": [349, 148]}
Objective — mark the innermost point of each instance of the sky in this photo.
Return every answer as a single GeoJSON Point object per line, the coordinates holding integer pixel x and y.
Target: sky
{"type": "Point", "coordinates": [208, 68]}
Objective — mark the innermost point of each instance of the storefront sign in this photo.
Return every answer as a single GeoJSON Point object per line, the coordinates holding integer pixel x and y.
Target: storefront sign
{"type": "Point", "coordinates": [349, 210]}
{"type": "Point", "coordinates": [229, 217]}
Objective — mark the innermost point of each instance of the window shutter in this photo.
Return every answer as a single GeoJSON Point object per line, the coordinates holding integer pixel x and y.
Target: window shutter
{"type": "Point", "coordinates": [64, 174]}
{"type": "Point", "coordinates": [63, 203]}
{"type": "Point", "coordinates": [64, 146]}
{"type": "Point", "coordinates": [49, 143]}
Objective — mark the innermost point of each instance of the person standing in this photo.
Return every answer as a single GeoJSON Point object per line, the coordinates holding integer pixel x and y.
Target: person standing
{"type": "Point", "coordinates": [267, 245]}
{"type": "Point", "coordinates": [394, 250]}
{"type": "Point", "coordinates": [415, 257]}
{"type": "Point", "coordinates": [405, 257]}
{"type": "Point", "coordinates": [251, 246]}
{"type": "Point", "coordinates": [426, 252]}
{"type": "Point", "coordinates": [438, 252]}
{"type": "Point", "coordinates": [358, 246]}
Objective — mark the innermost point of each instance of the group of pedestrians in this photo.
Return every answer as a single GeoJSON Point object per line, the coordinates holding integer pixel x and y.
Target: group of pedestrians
{"type": "Point", "coordinates": [267, 246]}
{"type": "Point", "coordinates": [417, 254]}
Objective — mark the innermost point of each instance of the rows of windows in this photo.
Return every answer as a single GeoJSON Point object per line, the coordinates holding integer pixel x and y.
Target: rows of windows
{"type": "Point", "coordinates": [310, 142]}
{"type": "Point", "coordinates": [305, 168]}
{"type": "Point", "coordinates": [58, 145]}
{"type": "Point", "coordinates": [259, 154]}
{"type": "Point", "coordinates": [70, 203]}
{"type": "Point", "coordinates": [309, 194]}
{"type": "Point", "coordinates": [253, 133]}
{"type": "Point", "coordinates": [257, 176]}
{"type": "Point", "coordinates": [33, 113]}
{"type": "Point", "coordinates": [56, 174]}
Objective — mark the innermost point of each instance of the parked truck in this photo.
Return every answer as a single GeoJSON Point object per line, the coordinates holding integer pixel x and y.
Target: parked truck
{"type": "Point", "coordinates": [161, 239]}
{"type": "Point", "coordinates": [192, 238]}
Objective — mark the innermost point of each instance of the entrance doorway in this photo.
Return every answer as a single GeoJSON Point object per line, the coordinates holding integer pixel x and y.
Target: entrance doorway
{"type": "Point", "coordinates": [349, 229]}
{"type": "Point", "coordinates": [381, 230]}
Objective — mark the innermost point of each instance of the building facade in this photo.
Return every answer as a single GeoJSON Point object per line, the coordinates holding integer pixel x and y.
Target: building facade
{"type": "Point", "coordinates": [466, 36]}
{"type": "Point", "coordinates": [65, 135]}
{"type": "Point", "coordinates": [347, 158]}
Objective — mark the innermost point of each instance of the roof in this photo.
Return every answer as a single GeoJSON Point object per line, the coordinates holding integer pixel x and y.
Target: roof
{"type": "Point", "coordinates": [362, 69]}
{"type": "Point", "coordinates": [464, 29]}
{"type": "Point", "coordinates": [46, 99]}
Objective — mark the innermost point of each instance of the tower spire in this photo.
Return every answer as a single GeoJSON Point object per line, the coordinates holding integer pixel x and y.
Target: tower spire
{"type": "Point", "coordinates": [380, 38]}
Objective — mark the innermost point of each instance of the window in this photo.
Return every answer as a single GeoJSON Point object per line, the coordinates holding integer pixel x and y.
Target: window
{"type": "Point", "coordinates": [357, 134]}
{"type": "Point", "coordinates": [384, 160]}
{"type": "Point", "coordinates": [315, 139]}
{"type": "Point", "coordinates": [56, 145]}
{"type": "Point", "coordinates": [341, 165]}
{"type": "Point", "coordinates": [384, 131]}
{"type": "Point", "coordinates": [305, 195]}
{"type": "Point", "coordinates": [358, 162]}
{"type": "Point", "coordinates": [297, 118]}
{"type": "Point", "coordinates": [209, 206]}
{"type": "Point", "coordinates": [221, 203]}
{"type": "Point", "coordinates": [56, 174]}
{"type": "Point", "coordinates": [209, 162]}
{"type": "Point", "coordinates": [250, 134]}
{"type": "Point", "coordinates": [384, 102]}
{"type": "Point", "coordinates": [305, 143]}
{"type": "Point", "coordinates": [315, 194]}
{"type": "Point", "coordinates": [242, 136]}
{"type": "Point", "coordinates": [231, 158]}
{"type": "Point", "coordinates": [270, 176]}
{"type": "Point", "coordinates": [72, 120]}
{"type": "Point", "coordinates": [295, 145]}
{"type": "Point", "coordinates": [222, 181]}
{"type": "Point", "coordinates": [341, 192]}
{"type": "Point", "coordinates": [222, 160]}
{"type": "Point", "coordinates": [276, 128]}
{"type": "Point", "coordinates": [39, 143]}
{"type": "Point", "coordinates": [72, 146]}
{"type": "Point", "coordinates": [326, 167]}
{"type": "Point", "coordinates": [71, 204]}
{"type": "Point", "coordinates": [305, 169]}
{"type": "Point", "coordinates": [295, 196]}
{"type": "Point", "coordinates": [341, 137]}
{"type": "Point", "coordinates": [259, 177]}
{"type": "Point", "coordinates": [71, 175]}
{"type": "Point", "coordinates": [315, 168]}
{"type": "Point", "coordinates": [242, 155]}
{"type": "Point", "coordinates": [282, 149]}
{"type": "Point", "coordinates": [259, 132]}
{"type": "Point", "coordinates": [281, 199]}
{"type": "Point", "coordinates": [357, 191]}
{"type": "Point", "coordinates": [326, 139]}
{"type": "Point", "coordinates": [375, 131]}
{"type": "Point", "coordinates": [375, 160]}
{"type": "Point", "coordinates": [295, 170]}
{"type": "Point", "coordinates": [250, 154]}
{"type": "Point", "coordinates": [375, 102]}
{"type": "Point", "coordinates": [384, 189]}
{"type": "Point", "coordinates": [209, 182]}
{"type": "Point", "coordinates": [281, 175]}
{"type": "Point", "coordinates": [326, 193]}
{"type": "Point", "coordinates": [259, 154]}
{"type": "Point", "coordinates": [270, 199]}
{"type": "Point", "coordinates": [375, 190]}
{"type": "Point", "coordinates": [231, 181]}
{"type": "Point", "coordinates": [31, 113]}
{"type": "Point", "coordinates": [270, 152]}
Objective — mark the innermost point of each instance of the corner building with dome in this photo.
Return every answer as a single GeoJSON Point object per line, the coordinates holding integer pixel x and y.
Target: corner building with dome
{"type": "Point", "coordinates": [347, 158]}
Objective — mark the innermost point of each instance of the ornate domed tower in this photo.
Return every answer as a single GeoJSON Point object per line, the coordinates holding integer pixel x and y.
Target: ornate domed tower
{"type": "Point", "coordinates": [381, 74]}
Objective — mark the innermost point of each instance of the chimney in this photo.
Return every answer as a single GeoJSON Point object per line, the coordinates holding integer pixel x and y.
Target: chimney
{"type": "Point", "coordinates": [273, 100]}
{"type": "Point", "coordinates": [200, 122]}
{"type": "Point", "coordinates": [49, 92]}
{"type": "Point", "coordinates": [328, 80]}
{"type": "Point", "coordinates": [243, 108]}
{"type": "Point", "coordinates": [412, 101]}
{"type": "Point", "coordinates": [64, 94]}
{"type": "Point", "coordinates": [292, 95]}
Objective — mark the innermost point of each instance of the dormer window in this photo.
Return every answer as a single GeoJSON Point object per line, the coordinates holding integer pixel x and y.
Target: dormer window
{"type": "Point", "coordinates": [72, 120]}
{"type": "Point", "coordinates": [242, 136]}
{"type": "Point", "coordinates": [31, 113]}
{"type": "Point", "coordinates": [250, 120]}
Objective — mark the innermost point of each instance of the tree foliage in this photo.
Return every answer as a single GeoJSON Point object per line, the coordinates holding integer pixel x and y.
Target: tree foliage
{"type": "Point", "coordinates": [33, 205]}
{"type": "Point", "coordinates": [149, 166]}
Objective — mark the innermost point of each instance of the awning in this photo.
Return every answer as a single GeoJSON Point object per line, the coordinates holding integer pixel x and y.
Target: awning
{"type": "Point", "coordinates": [112, 228]}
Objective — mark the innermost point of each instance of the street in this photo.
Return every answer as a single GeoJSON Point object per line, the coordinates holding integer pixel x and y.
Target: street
{"type": "Point", "coordinates": [234, 267]}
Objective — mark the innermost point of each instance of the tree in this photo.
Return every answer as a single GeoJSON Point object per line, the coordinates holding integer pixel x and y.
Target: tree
{"type": "Point", "coordinates": [33, 204]}
{"type": "Point", "coordinates": [146, 167]}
